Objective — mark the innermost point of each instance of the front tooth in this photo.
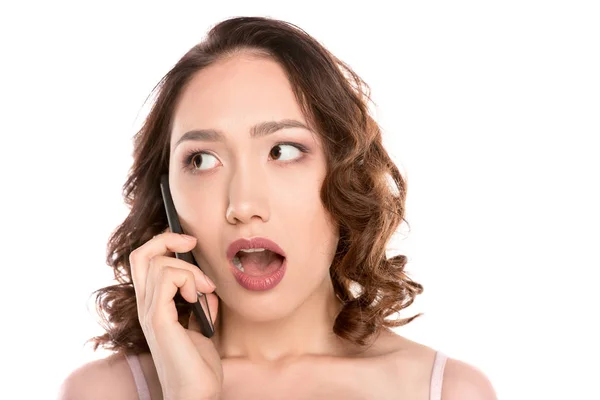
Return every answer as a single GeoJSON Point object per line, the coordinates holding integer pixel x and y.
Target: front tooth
{"type": "Point", "coordinates": [238, 264]}
{"type": "Point", "coordinates": [252, 250]}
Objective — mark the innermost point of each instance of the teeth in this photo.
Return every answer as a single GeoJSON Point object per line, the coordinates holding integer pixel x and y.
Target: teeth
{"type": "Point", "coordinates": [252, 250]}
{"type": "Point", "coordinates": [238, 264]}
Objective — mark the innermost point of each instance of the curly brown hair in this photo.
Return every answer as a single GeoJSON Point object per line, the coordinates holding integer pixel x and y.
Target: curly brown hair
{"type": "Point", "coordinates": [363, 189]}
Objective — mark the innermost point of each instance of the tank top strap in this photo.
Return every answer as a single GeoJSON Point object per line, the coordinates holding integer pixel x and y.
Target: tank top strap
{"type": "Point", "coordinates": [437, 376]}
{"type": "Point", "coordinates": [138, 375]}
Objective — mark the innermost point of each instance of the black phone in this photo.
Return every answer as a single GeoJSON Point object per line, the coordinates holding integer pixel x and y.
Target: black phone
{"type": "Point", "coordinates": [200, 308]}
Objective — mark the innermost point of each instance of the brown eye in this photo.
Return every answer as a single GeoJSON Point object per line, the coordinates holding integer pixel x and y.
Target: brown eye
{"type": "Point", "coordinates": [275, 152]}
{"type": "Point", "coordinates": [281, 150]}
{"type": "Point", "coordinates": [199, 161]}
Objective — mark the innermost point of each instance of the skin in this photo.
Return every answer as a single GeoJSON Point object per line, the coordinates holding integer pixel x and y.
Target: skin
{"type": "Point", "coordinates": [241, 190]}
{"type": "Point", "coordinates": [278, 343]}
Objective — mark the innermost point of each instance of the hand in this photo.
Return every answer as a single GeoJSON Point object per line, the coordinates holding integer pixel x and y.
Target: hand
{"type": "Point", "coordinates": [187, 363]}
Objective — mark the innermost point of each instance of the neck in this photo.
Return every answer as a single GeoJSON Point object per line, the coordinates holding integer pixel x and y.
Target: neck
{"type": "Point", "coordinates": [306, 331]}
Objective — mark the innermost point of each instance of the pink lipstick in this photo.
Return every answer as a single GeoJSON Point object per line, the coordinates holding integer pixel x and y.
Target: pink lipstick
{"type": "Point", "coordinates": [258, 264]}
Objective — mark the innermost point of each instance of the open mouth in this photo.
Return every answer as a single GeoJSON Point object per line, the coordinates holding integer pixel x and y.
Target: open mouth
{"type": "Point", "coordinates": [257, 262]}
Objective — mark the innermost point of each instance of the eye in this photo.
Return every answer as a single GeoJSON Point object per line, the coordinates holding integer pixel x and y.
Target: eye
{"type": "Point", "coordinates": [200, 161]}
{"type": "Point", "coordinates": [197, 161]}
{"type": "Point", "coordinates": [287, 151]}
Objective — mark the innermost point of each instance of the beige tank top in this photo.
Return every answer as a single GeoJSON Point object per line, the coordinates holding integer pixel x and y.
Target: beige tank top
{"type": "Point", "coordinates": [435, 388]}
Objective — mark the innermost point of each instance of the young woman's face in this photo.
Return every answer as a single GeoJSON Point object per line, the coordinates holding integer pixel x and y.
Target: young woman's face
{"type": "Point", "coordinates": [229, 184]}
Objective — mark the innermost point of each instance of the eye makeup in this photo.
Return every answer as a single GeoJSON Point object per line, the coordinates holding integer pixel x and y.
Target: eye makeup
{"type": "Point", "coordinates": [188, 158]}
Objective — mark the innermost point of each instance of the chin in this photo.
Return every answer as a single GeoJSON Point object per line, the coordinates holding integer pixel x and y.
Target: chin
{"type": "Point", "coordinates": [272, 305]}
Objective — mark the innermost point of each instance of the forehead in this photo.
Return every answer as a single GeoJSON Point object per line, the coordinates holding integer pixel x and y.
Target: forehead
{"type": "Point", "coordinates": [236, 93]}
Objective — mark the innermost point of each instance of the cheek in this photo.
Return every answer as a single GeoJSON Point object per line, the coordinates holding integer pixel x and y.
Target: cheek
{"type": "Point", "coordinates": [314, 234]}
{"type": "Point", "coordinates": [298, 200]}
{"type": "Point", "coordinates": [199, 214]}
{"type": "Point", "coordinates": [199, 218]}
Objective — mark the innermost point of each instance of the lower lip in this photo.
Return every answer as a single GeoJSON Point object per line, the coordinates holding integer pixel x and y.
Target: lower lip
{"type": "Point", "coordinates": [259, 283]}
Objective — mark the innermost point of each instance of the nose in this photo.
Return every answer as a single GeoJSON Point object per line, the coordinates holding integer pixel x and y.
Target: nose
{"type": "Point", "coordinates": [248, 196]}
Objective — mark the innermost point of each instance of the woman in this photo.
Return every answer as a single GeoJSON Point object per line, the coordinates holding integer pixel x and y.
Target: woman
{"type": "Point", "coordinates": [267, 142]}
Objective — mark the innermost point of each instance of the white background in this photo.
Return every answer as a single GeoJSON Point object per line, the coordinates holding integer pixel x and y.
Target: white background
{"type": "Point", "coordinates": [491, 109]}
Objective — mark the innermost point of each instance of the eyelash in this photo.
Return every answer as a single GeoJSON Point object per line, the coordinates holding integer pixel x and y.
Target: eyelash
{"type": "Point", "coordinates": [189, 156]}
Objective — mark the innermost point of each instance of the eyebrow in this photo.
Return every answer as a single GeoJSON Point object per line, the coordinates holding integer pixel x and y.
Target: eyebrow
{"type": "Point", "coordinates": [259, 130]}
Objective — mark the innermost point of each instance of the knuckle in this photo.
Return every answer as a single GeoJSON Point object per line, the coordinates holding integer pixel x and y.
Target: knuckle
{"type": "Point", "coordinates": [136, 257]}
{"type": "Point", "coordinates": [167, 273]}
{"type": "Point", "coordinates": [133, 257]}
{"type": "Point", "coordinates": [134, 264]}
{"type": "Point", "coordinates": [190, 275]}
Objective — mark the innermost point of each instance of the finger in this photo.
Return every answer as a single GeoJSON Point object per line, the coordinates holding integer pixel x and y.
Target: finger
{"type": "Point", "coordinates": [160, 305]}
{"type": "Point", "coordinates": [168, 229]}
{"type": "Point", "coordinates": [139, 259]}
{"type": "Point", "coordinates": [203, 283]}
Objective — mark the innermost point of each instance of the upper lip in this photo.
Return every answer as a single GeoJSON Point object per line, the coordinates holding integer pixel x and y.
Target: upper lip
{"type": "Point", "coordinates": [253, 243]}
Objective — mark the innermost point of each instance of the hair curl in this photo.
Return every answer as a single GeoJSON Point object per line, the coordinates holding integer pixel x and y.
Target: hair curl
{"type": "Point", "coordinates": [358, 190]}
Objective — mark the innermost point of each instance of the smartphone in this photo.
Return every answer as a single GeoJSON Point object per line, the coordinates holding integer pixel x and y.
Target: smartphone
{"type": "Point", "coordinates": [200, 308]}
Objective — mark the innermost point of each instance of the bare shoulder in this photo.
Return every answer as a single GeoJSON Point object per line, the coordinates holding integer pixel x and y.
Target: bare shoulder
{"type": "Point", "coordinates": [402, 352]}
{"type": "Point", "coordinates": [414, 361]}
{"type": "Point", "coordinates": [107, 378]}
{"type": "Point", "coordinates": [402, 367]}
{"type": "Point", "coordinates": [465, 382]}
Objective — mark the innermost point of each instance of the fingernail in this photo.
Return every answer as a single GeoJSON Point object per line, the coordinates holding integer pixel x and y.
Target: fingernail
{"type": "Point", "coordinates": [210, 282]}
{"type": "Point", "coordinates": [190, 238]}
